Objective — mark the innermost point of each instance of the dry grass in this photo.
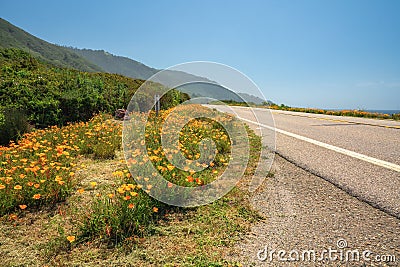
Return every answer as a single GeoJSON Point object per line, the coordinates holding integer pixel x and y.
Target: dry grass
{"type": "Point", "coordinates": [31, 240]}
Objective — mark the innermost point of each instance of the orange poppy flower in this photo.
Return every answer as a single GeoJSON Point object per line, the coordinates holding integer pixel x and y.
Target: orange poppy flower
{"type": "Point", "coordinates": [81, 190]}
{"type": "Point", "coordinates": [71, 238]}
{"type": "Point", "coordinates": [171, 167]}
{"type": "Point", "coordinates": [199, 181]}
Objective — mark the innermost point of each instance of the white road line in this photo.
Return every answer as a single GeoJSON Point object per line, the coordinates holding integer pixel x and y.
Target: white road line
{"type": "Point", "coordinates": [378, 162]}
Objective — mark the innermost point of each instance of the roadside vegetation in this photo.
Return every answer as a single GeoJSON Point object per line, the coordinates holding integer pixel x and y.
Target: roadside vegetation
{"type": "Point", "coordinates": [68, 190]}
{"type": "Point", "coordinates": [40, 168]}
{"type": "Point", "coordinates": [348, 113]}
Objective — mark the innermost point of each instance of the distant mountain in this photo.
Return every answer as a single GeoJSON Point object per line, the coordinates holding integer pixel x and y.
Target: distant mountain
{"type": "Point", "coordinates": [253, 99]}
{"type": "Point", "coordinates": [115, 64]}
{"type": "Point", "coordinates": [216, 91]}
{"type": "Point", "coordinates": [210, 90]}
{"type": "Point", "coordinates": [132, 68]}
{"type": "Point", "coordinates": [14, 37]}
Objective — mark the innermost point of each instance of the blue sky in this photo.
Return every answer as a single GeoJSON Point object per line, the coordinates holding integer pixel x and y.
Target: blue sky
{"type": "Point", "coordinates": [326, 54]}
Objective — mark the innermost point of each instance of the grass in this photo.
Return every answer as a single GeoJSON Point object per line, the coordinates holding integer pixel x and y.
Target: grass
{"type": "Point", "coordinates": [95, 223]}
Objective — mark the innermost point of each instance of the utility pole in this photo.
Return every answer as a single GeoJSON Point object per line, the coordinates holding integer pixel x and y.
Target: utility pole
{"type": "Point", "coordinates": [157, 106]}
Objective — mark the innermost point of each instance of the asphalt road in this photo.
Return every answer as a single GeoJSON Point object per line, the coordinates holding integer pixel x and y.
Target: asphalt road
{"type": "Point", "coordinates": [336, 180]}
{"type": "Point", "coordinates": [304, 212]}
{"type": "Point", "coordinates": [360, 156]}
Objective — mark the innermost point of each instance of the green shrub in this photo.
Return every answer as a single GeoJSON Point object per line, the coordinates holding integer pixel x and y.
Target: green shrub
{"type": "Point", "coordinates": [55, 96]}
{"type": "Point", "coordinates": [2, 119]}
{"type": "Point", "coordinates": [13, 124]}
{"type": "Point", "coordinates": [114, 218]}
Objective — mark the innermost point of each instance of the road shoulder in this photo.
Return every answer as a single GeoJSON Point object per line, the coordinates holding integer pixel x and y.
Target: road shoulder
{"type": "Point", "coordinates": [305, 212]}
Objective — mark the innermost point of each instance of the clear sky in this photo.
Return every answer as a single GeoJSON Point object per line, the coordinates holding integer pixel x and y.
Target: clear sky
{"type": "Point", "coordinates": [327, 54]}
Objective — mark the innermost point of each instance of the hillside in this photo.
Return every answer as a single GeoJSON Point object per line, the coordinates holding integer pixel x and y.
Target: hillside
{"type": "Point", "coordinates": [134, 69]}
{"type": "Point", "coordinates": [14, 37]}
{"type": "Point", "coordinates": [116, 64]}
{"type": "Point", "coordinates": [210, 90]}
{"type": "Point", "coordinates": [102, 61]}
{"type": "Point", "coordinates": [50, 95]}
{"type": "Point", "coordinates": [215, 91]}
{"type": "Point", "coordinates": [131, 68]}
{"type": "Point", "coordinates": [254, 99]}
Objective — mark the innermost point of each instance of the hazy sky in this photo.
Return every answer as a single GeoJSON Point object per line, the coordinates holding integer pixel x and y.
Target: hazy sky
{"type": "Point", "coordinates": [328, 54]}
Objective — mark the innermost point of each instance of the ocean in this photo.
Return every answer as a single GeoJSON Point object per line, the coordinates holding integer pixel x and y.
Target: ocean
{"type": "Point", "coordinates": [390, 112]}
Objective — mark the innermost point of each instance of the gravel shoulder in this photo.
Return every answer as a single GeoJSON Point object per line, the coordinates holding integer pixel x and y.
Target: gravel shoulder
{"type": "Point", "coordinates": [305, 212]}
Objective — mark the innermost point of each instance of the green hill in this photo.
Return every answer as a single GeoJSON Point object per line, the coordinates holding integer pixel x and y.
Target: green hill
{"type": "Point", "coordinates": [50, 95]}
{"type": "Point", "coordinates": [254, 99]}
{"type": "Point", "coordinates": [102, 61]}
{"type": "Point", "coordinates": [14, 37]}
{"type": "Point", "coordinates": [116, 64]}
{"type": "Point", "coordinates": [132, 68]}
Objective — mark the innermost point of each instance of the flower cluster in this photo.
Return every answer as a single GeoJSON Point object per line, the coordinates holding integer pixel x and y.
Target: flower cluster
{"type": "Point", "coordinates": [190, 145]}
{"type": "Point", "coordinates": [127, 210]}
{"type": "Point", "coordinates": [41, 167]}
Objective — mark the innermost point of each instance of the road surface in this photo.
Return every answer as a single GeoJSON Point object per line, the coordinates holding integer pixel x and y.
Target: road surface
{"type": "Point", "coordinates": [336, 180]}
{"type": "Point", "coordinates": [360, 156]}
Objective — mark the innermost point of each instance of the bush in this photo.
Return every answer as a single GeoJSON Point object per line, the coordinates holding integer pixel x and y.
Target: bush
{"type": "Point", "coordinates": [13, 124]}
{"type": "Point", "coordinates": [126, 213]}
{"type": "Point", "coordinates": [2, 119]}
{"type": "Point", "coordinates": [55, 96]}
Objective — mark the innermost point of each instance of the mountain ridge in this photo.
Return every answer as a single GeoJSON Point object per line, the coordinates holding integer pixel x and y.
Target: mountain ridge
{"type": "Point", "coordinates": [115, 64]}
{"type": "Point", "coordinates": [12, 36]}
{"type": "Point", "coordinates": [90, 60]}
